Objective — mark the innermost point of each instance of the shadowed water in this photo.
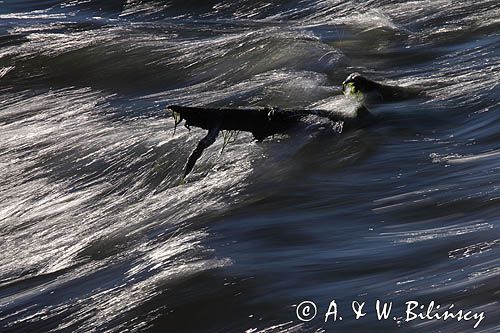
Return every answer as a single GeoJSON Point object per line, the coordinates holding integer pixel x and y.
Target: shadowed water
{"type": "Point", "coordinates": [97, 233]}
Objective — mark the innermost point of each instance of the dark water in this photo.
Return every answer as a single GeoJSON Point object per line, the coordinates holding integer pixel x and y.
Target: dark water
{"type": "Point", "coordinates": [97, 235]}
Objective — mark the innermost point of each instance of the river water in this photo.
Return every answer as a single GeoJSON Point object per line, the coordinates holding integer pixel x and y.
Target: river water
{"type": "Point", "coordinates": [98, 233]}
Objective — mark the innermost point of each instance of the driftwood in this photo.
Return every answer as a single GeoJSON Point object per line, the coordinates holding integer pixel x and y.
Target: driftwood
{"type": "Point", "coordinates": [260, 122]}
{"type": "Point", "coordinates": [371, 93]}
{"type": "Point", "coordinates": [268, 121]}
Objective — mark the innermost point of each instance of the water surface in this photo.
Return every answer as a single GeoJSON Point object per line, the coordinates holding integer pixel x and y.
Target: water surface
{"type": "Point", "coordinates": [97, 234]}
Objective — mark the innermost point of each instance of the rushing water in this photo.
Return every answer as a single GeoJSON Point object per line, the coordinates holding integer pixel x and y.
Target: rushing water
{"type": "Point", "coordinates": [97, 232]}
